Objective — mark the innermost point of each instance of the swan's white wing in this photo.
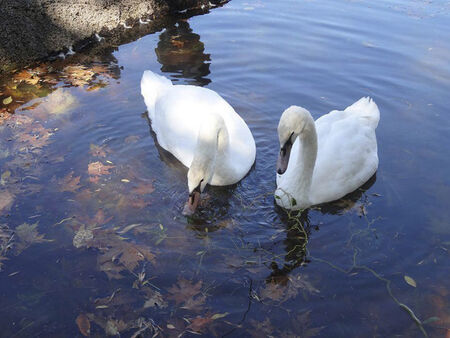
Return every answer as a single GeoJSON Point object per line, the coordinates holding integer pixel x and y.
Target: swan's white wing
{"type": "Point", "coordinates": [347, 151]}
{"type": "Point", "coordinates": [177, 118]}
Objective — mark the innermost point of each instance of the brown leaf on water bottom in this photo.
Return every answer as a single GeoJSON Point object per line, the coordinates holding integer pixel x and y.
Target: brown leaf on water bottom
{"type": "Point", "coordinates": [97, 169]}
{"type": "Point", "coordinates": [6, 201]}
{"type": "Point", "coordinates": [118, 255]}
{"type": "Point", "coordinates": [84, 325]}
{"type": "Point", "coordinates": [130, 201]}
{"type": "Point", "coordinates": [187, 294]}
{"type": "Point", "coordinates": [6, 242]}
{"type": "Point", "coordinates": [301, 327]}
{"type": "Point", "coordinates": [143, 189]}
{"type": "Point", "coordinates": [132, 139]}
{"type": "Point", "coordinates": [69, 183]}
{"type": "Point", "coordinates": [4, 115]}
{"type": "Point", "coordinates": [111, 326]}
{"type": "Point", "coordinates": [281, 292]}
{"type": "Point", "coordinates": [99, 151]}
{"type": "Point", "coordinates": [261, 329]}
{"type": "Point", "coordinates": [27, 235]}
{"type": "Point", "coordinates": [199, 324]}
{"type": "Point", "coordinates": [154, 299]}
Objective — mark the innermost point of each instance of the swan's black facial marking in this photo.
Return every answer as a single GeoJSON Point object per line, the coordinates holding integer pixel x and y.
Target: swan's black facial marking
{"type": "Point", "coordinates": [287, 144]}
{"type": "Point", "coordinates": [283, 157]}
{"type": "Point", "coordinates": [197, 189]}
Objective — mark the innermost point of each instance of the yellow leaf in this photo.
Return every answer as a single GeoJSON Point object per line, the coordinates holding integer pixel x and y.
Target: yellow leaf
{"type": "Point", "coordinates": [125, 180]}
{"type": "Point", "coordinates": [410, 281]}
{"type": "Point", "coordinates": [8, 100]}
{"type": "Point", "coordinates": [219, 315]}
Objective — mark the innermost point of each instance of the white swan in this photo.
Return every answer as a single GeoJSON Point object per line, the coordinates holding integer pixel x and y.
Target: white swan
{"type": "Point", "coordinates": [330, 157]}
{"type": "Point", "coordinates": [201, 130]}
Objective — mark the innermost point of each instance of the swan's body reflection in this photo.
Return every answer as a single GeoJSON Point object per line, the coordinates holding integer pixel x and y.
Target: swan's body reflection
{"type": "Point", "coordinates": [295, 242]}
{"type": "Point", "coordinates": [180, 51]}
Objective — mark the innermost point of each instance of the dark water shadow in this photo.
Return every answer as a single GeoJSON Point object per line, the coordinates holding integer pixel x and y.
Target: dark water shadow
{"type": "Point", "coordinates": [181, 53]}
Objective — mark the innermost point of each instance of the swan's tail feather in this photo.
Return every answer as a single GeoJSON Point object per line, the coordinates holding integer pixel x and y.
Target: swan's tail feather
{"type": "Point", "coordinates": [367, 108]}
{"type": "Point", "coordinates": [152, 86]}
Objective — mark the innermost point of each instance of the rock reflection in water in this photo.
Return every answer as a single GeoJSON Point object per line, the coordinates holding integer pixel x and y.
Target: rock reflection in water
{"type": "Point", "coordinates": [180, 51]}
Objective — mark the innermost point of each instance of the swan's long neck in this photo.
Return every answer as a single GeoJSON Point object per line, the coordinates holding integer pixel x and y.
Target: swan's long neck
{"type": "Point", "coordinates": [305, 164]}
{"type": "Point", "coordinates": [211, 152]}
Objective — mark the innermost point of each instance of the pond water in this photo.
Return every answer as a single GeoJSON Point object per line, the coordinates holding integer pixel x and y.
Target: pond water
{"type": "Point", "coordinates": [91, 232]}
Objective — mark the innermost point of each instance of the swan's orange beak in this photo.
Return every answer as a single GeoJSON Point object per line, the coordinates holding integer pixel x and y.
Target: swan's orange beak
{"type": "Point", "coordinates": [192, 203]}
{"type": "Point", "coordinates": [283, 157]}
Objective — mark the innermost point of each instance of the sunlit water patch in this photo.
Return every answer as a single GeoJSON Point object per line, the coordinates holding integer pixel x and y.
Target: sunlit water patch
{"type": "Point", "coordinates": [92, 240]}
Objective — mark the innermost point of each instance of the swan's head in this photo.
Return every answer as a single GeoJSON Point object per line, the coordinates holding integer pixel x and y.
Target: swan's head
{"type": "Point", "coordinates": [201, 171]}
{"type": "Point", "coordinates": [293, 123]}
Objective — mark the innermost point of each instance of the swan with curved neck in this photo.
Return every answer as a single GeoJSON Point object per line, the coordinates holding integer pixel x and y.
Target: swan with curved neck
{"type": "Point", "coordinates": [324, 160]}
{"type": "Point", "coordinates": [201, 130]}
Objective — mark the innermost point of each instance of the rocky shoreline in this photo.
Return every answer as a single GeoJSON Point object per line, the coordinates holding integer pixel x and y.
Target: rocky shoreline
{"type": "Point", "coordinates": [37, 29]}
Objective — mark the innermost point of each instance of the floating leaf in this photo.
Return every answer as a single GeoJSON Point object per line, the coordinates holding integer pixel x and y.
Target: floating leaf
{"type": "Point", "coordinates": [84, 324]}
{"type": "Point", "coordinates": [125, 180]}
{"type": "Point", "coordinates": [8, 100]}
{"type": "Point", "coordinates": [410, 281]}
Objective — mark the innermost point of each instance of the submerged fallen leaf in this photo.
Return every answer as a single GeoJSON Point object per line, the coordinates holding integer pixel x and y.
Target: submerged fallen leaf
{"type": "Point", "coordinates": [301, 324]}
{"type": "Point", "coordinates": [198, 324]}
{"type": "Point", "coordinates": [410, 281]}
{"type": "Point", "coordinates": [6, 201]}
{"type": "Point", "coordinates": [82, 237]}
{"type": "Point", "coordinates": [69, 183]}
{"type": "Point", "coordinates": [118, 255]}
{"type": "Point", "coordinates": [84, 324]}
{"type": "Point", "coordinates": [261, 329]}
{"type": "Point", "coordinates": [187, 294]}
{"type": "Point", "coordinates": [8, 100]}
{"type": "Point", "coordinates": [99, 151]}
{"type": "Point", "coordinates": [27, 235]}
{"type": "Point", "coordinates": [143, 189]}
{"type": "Point", "coordinates": [281, 292]}
{"type": "Point", "coordinates": [154, 299]}
{"type": "Point", "coordinates": [132, 139]}
{"type": "Point", "coordinates": [98, 168]}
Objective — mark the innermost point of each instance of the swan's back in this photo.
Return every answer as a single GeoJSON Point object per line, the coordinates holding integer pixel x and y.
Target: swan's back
{"type": "Point", "coordinates": [176, 113]}
{"type": "Point", "coordinates": [347, 151]}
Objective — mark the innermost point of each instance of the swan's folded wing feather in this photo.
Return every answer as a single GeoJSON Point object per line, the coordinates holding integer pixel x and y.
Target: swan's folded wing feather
{"type": "Point", "coordinates": [346, 159]}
